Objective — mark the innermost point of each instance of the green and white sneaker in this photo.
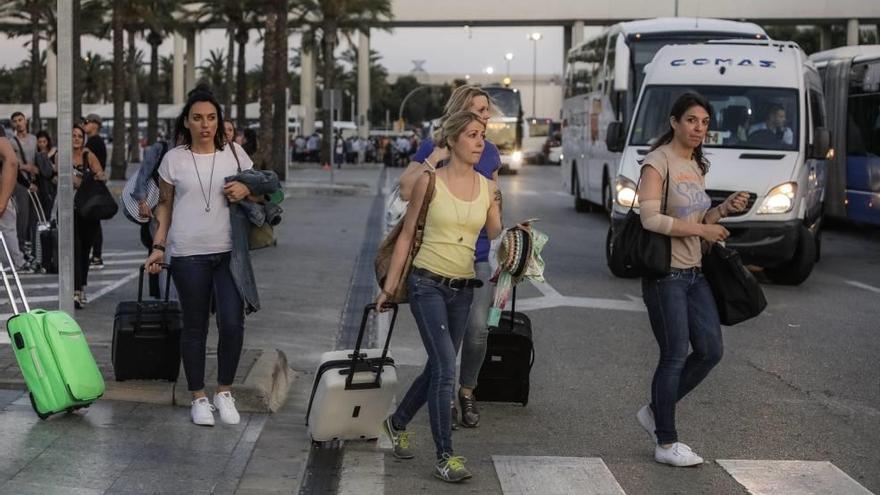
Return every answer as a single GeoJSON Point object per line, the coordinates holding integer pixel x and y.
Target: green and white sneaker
{"type": "Point", "coordinates": [450, 468]}
{"type": "Point", "coordinates": [399, 440]}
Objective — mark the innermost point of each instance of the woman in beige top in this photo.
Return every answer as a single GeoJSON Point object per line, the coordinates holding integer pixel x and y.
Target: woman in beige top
{"type": "Point", "coordinates": [680, 305]}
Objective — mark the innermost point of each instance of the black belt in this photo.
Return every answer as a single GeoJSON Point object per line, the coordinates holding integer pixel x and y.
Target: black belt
{"type": "Point", "coordinates": [695, 269]}
{"type": "Point", "coordinates": [453, 283]}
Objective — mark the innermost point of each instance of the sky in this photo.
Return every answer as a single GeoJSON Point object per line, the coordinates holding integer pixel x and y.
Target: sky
{"type": "Point", "coordinates": [458, 51]}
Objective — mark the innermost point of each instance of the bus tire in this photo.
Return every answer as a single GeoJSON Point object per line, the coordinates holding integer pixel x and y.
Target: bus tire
{"type": "Point", "coordinates": [581, 205]}
{"type": "Point", "coordinates": [798, 269]}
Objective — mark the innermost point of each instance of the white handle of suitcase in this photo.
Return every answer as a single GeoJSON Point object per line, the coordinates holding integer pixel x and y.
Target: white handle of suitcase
{"type": "Point", "coordinates": [17, 280]}
{"type": "Point", "coordinates": [38, 206]}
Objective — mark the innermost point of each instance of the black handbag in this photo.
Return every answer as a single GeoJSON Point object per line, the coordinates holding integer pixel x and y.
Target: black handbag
{"type": "Point", "coordinates": [737, 293]}
{"type": "Point", "coordinates": [636, 252]}
{"type": "Point", "coordinates": [93, 200]}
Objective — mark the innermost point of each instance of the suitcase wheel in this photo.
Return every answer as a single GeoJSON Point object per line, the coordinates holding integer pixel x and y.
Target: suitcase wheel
{"type": "Point", "coordinates": [34, 405]}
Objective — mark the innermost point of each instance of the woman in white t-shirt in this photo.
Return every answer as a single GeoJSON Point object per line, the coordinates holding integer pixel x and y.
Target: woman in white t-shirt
{"type": "Point", "coordinates": [193, 216]}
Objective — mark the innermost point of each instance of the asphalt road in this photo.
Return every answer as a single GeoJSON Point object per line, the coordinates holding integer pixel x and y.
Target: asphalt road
{"type": "Point", "coordinates": [800, 382]}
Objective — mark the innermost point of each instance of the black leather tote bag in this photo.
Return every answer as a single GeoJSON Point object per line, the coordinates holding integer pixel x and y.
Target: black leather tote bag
{"type": "Point", "coordinates": [636, 252]}
{"type": "Point", "coordinates": [738, 294]}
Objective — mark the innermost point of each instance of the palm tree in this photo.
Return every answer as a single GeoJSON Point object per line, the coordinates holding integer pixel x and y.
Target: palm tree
{"type": "Point", "coordinates": [33, 16]}
{"type": "Point", "coordinates": [213, 69]}
{"type": "Point", "coordinates": [267, 89]}
{"type": "Point", "coordinates": [118, 157]}
{"type": "Point", "coordinates": [328, 18]}
{"type": "Point", "coordinates": [238, 16]}
{"type": "Point", "coordinates": [94, 76]}
{"type": "Point", "coordinates": [159, 18]}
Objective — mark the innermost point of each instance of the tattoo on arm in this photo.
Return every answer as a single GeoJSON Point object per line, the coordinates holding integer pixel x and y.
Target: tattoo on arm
{"type": "Point", "coordinates": [498, 198]}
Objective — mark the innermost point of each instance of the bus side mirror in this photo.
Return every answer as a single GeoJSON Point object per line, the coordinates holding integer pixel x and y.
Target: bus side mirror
{"type": "Point", "coordinates": [615, 137]}
{"type": "Point", "coordinates": [821, 143]}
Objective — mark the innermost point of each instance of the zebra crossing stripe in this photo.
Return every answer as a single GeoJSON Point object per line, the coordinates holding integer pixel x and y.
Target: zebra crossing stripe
{"type": "Point", "coordinates": [537, 475]}
{"type": "Point", "coordinates": [792, 477]}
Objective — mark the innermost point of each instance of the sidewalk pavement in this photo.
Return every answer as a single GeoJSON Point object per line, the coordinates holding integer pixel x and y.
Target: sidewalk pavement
{"type": "Point", "coordinates": [120, 446]}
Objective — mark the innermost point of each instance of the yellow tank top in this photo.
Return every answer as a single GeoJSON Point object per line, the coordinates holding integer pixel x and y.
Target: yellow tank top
{"type": "Point", "coordinates": [451, 230]}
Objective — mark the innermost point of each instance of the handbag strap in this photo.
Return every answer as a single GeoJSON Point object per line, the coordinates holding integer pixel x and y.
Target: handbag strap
{"type": "Point", "coordinates": [423, 215]}
{"type": "Point", "coordinates": [665, 191]}
{"type": "Point", "coordinates": [237, 163]}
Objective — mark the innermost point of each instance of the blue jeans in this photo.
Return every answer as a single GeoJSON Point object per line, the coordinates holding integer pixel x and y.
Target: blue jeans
{"type": "Point", "coordinates": [441, 314]}
{"type": "Point", "coordinates": [682, 311]}
{"type": "Point", "coordinates": [473, 349]}
{"type": "Point", "coordinates": [204, 282]}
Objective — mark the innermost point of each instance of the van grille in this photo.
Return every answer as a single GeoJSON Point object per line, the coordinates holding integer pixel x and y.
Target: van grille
{"type": "Point", "coordinates": [718, 197]}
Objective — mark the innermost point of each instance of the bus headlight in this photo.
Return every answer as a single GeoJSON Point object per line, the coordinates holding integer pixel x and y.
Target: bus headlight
{"type": "Point", "coordinates": [626, 192]}
{"type": "Point", "coordinates": [779, 200]}
{"type": "Point", "coordinates": [516, 157]}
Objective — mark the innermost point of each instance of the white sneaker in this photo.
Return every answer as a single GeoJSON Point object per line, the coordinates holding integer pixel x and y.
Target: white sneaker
{"type": "Point", "coordinates": [646, 419]}
{"type": "Point", "coordinates": [202, 412]}
{"type": "Point", "coordinates": [225, 403]}
{"type": "Point", "coordinates": [679, 455]}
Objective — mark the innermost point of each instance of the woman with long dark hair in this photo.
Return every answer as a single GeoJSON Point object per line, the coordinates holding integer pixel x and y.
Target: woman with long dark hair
{"type": "Point", "coordinates": [85, 230]}
{"type": "Point", "coordinates": [682, 311]}
{"type": "Point", "coordinates": [194, 217]}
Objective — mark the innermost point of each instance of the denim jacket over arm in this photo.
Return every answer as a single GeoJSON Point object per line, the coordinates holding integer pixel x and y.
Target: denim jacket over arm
{"type": "Point", "coordinates": [259, 182]}
{"type": "Point", "coordinates": [148, 167]}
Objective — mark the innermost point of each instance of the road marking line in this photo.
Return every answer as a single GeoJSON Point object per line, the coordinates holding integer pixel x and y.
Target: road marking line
{"type": "Point", "coordinates": [28, 287]}
{"type": "Point", "coordinates": [863, 286]}
{"type": "Point", "coordinates": [528, 475]}
{"type": "Point", "coordinates": [106, 290]}
{"type": "Point", "coordinates": [547, 302]}
{"type": "Point", "coordinates": [363, 471]}
{"type": "Point", "coordinates": [123, 254]}
{"type": "Point", "coordinates": [132, 261]}
{"type": "Point", "coordinates": [792, 477]}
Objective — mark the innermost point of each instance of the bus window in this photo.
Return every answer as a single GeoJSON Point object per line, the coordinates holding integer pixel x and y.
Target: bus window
{"type": "Point", "coordinates": [584, 66]}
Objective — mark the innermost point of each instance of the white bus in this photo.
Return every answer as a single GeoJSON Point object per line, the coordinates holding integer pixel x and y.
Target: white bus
{"type": "Point", "coordinates": [603, 78]}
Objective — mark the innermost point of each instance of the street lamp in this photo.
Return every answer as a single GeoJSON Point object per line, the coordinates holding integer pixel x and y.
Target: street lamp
{"type": "Point", "coordinates": [490, 70]}
{"type": "Point", "coordinates": [508, 57]}
{"type": "Point", "coordinates": [534, 38]}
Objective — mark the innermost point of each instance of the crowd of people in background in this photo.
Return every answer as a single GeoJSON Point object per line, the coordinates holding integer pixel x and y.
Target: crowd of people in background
{"type": "Point", "coordinates": [393, 151]}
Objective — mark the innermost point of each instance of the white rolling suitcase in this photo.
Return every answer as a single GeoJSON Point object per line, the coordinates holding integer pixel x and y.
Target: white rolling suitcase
{"type": "Point", "coordinates": [353, 390]}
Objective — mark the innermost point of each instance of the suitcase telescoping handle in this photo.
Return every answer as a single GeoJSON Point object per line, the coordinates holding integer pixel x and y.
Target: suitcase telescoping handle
{"type": "Point", "coordinates": [141, 283]}
{"type": "Point", "coordinates": [358, 361]}
{"type": "Point", "coordinates": [9, 292]}
{"type": "Point", "coordinates": [140, 301]}
{"type": "Point", "coordinates": [38, 206]}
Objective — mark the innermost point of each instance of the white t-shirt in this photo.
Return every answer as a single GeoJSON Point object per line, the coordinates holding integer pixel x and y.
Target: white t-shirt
{"type": "Point", "coordinates": [193, 230]}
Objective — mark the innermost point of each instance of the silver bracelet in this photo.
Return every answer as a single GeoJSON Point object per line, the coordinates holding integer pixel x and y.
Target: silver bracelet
{"type": "Point", "coordinates": [428, 164]}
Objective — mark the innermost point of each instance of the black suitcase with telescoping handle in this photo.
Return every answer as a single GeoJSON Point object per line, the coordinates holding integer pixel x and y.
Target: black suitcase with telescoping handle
{"type": "Point", "coordinates": [146, 337]}
{"type": "Point", "coordinates": [510, 354]}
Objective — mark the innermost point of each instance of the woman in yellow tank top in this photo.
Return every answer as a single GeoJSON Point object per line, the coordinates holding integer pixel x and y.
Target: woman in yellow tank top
{"type": "Point", "coordinates": [442, 281]}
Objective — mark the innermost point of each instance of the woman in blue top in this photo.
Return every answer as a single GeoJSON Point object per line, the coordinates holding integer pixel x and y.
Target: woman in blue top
{"type": "Point", "coordinates": [465, 98]}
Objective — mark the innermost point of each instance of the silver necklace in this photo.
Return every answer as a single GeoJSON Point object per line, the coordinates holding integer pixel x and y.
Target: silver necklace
{"type": "Point", "coordinates": [466, 218]}
{"type": "Point", "coordinates": [206, 197]}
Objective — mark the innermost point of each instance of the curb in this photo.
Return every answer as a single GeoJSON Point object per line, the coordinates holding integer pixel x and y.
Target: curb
{"type": "Point", "coordinates": [263, 390]}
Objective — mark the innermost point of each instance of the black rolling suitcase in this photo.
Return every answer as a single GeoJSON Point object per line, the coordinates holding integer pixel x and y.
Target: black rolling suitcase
{"type": "Point", "coordinates": [146, 337]}
{"type": "Point", "coordinates": [510, 354]}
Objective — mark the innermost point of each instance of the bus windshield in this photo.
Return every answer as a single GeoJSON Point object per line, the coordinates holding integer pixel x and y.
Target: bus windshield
{"type": "Point", "coordinates": [502, 135]}
{"type": "Point", "coordinates": [507, 101]}
{"type": "Point", "coordinates": [743, 117]}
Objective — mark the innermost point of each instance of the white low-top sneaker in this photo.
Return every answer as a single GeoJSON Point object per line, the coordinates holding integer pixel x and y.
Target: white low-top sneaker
{"type": "Point", "coordinates": [225, 403]}
{"type": "Point", "coordinates": [202, 412]}
{"type": "Point", "coordinates": [646, 419]}
{"type": "Point", "coordinates": [679, 455]}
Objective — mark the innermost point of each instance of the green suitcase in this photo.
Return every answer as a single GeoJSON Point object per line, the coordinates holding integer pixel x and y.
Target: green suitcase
{"type": "Point", "coordinates": [54, 357]}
